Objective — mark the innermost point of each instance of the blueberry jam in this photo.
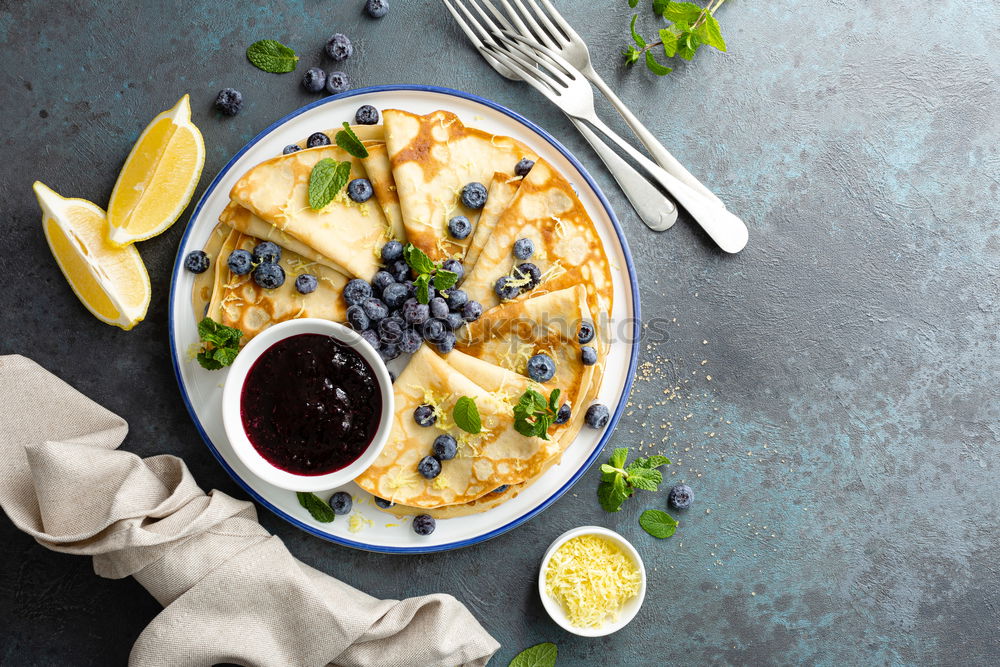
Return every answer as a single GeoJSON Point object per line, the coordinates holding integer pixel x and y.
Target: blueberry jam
{"type": "Point", "coordinates": [310, 404]}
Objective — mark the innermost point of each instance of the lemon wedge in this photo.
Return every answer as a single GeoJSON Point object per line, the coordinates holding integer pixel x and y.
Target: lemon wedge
{"type": "Point", "coordinates": [159, 177]}
{"type": "Point", "coordinates": [110, 281]}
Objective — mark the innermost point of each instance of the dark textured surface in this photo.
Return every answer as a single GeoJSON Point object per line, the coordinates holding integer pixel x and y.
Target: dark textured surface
{"type": "Point", "coordinates": [837, 403]}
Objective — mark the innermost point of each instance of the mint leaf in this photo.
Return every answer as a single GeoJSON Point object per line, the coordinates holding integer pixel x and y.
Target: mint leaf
{"type": "Point", "coordinates": [655, 67]}
{"type": "Point", "coordinates": [658, 523]}
{"type": "Point", "coordinates": [554, 400]}
{"type": "Point", "coordinates": [272, 56]}
{"type": "Point", "coordinates": [636, 37]}
{"type": "Point", "coordinates": [619, 482]}
{"type": "Point", "coordinates": [539, 655]}
{"type": "Point", "coordinates": [444, 279]}
{"type": "Point", "coordinates": [613, 494]}
{"type": "Point", "coordinates": [466, 415]}
{"type": "Point", "coordinates": [687, 45]}
{"type": "Point", "coordinates": [349, 141]}
{"type": "Point", "coordinates": [654, 461]}
{"type": "Point", "coordinates": [618, 457]}
{"type": "Point", "coordinates": [633, 3]}
{"type": "Point", "coordinates": [660, 6]}
{"type": "Point", "coordinates": [328, 177]}
{"type": "Point", "coordinates": [423, 290]}
{"type": "Point", "coordinates": [533, 415]}
{"type": "Point", "coordinates": [417, 259]}
{"type": "Point", "coordinates": [631, 54]}
{"type": "Point", "coordinates": [669, 39]}
{"type": "Point", "coordinates": [709, 32]}
{"type": "Point", "coordinates": [208, 362]}
{"type": "Point", "coordinates": [220, 345]}
{"type": "Point", "coordinates": [680, 11]}
{"type": "Point", "coordinates": [318, 508]}
{"type": "Point", "coordinates": [644, 478]}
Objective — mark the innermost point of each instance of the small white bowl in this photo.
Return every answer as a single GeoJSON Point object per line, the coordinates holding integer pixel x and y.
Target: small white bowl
{"type": "Point", "coordinates": [555, 609]}
{"type": "Point", "coordinates": [233, 421]}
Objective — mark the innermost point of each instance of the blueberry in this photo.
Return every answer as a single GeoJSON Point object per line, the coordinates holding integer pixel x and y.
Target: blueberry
{"type": "Point", "coordinates": [680, 497]}
{"type": "Point", "coordinates": [438, 307]}
{"type": "Point", "coordinates": [410, 342]}
{"type": "Point", "coordinates": [394, 295]}
{"type": "Point", "coordinates": [429, 467]}
{"type": "Point", "coordinates": [563, 414]}
{"type": "Point", "coordinates": [472, 311]}
{"type": "Point", "coordinates": [415, 313]}
{"type": "Point", "coordinates": [374, 308]}
{"type": "Point", "coordinates": [366, 115]}
{"type": "Point", "coordinates": [372, 339]}
{"type": "Point", "coordinates": [197, 261]}
{"type": "Point", "coordinates": [269, 275]}
{"type": "Point", "coordinates": [541, 368]}
{"type": "Point", "coordinates": [266, 251]}
{"type": "Point", "coordinates": [381, 280]}
{"type": "Point", "coordinates": [411, 290]}
{"type": "Point", "coordinates": [337, 82]}
{"type": "Point", "coordinates": [474, 195]}
{"type": "Point", "coordinates": [229, 101]}
{"type": "Point", "coordinates": [586, 333]}
{"type": "Point", "coordinates": [314, 80]}
{"type": "Point", "coordinates": [390, 329]}
{"type": "Point", "coordinates": [357, 318]}
{"type": "Point", "coordinates": [317, 139]}
{"type": "Point", "coordinates": [388, 351]}
{"type": "Point", "coordinates": [341, 502]}
{"type": "Point", "coordinates": [531, 272]}
{"type": "Point", "coordinates": [454, 321]}
{"type": "Point", "coordinates": [455, 267]}
{"type": "Point", "coordinates": [424, 415]}
{"type": "Point", "coordinates": [240, 262]}
{"type": "Point", "coordinates": [356, 291]}
{"type": "Point", "coordinates": [524, 248]}
{"type": "Point", "coordinates": [597, 416]}
{"type": "Point", "coordinates": [360, 190]}
{"type": "Point", "coordinates": [339, 47]}
{"type": "Point", "coordinates": [459, 227]}
{"type": "Point", "coordinates": [504, 289]}
{"type": "Point", "coordinates": [400, 270]}
{"type": "Point", "coordinates": [523, 166]}
{"type": "Point", "coordinates": [306, 283]}
{"type": "Point", "coordinates": [383, 503]}
{"type": "Point", "coordinates": [446, 344]}
{"type": "Point", "coordinates": [392, 251]}
{"type": "Point", "coordinates": [424, 524]}
{"type": "Point", "coordinates": [500, 489]}
{"type": "Point", "coordinates": [290, 148]}
{"type": "Point", "coordinates": [377, 9]}
{"type": "Point", "coordinates": [456, 298]}
{"type": "Point", "coordinates": [588, 355]}
{"type": "Point", "coordinates": [445, 447]}
{"type": "Point", "coordinates": [434, 330]}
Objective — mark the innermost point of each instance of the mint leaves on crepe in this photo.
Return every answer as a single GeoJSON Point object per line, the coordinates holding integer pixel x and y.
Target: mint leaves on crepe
{"type": "Point", "coordinates": [427, 271]}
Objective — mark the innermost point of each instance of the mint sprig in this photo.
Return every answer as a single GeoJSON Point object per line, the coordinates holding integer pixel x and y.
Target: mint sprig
{"type": "Point", "coordinates": [533, 415]}
{"type": "Point", "coordinates": [619, 482]}
{"type": "Point", "coordinates": [328, 177]}
{"type": "Point", "coordinates": [220, 344]}
{"type": "Point", "coordinates": [658, 523]}
{"type": "Point", "coordinates": [349, 141]}
{"type": "Point", "coordinates": [426, 271]}
{"type": "Point", "coordinates": [539, 655]}
{"type": "Point", "coordinates": [690, 27]}
{"type": "Point", "coordinates": [272, 56]}
{"type": "Point", "coordinates": [466, 415]}
{"type": "Point", "coordinates": [318, 508]}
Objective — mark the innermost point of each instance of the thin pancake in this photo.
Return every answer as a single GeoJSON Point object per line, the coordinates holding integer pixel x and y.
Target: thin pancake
{"type": "Point", "coordinates": [502, 191]}
{"type": "Point", "coordinates": [380, 174]}
{"type": "Point", "coordinates": [204, 283]}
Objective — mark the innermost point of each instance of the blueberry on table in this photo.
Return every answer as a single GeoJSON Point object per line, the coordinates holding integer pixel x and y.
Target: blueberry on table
{"type": "Point", "coordinates": [524, 248]}
{"type": "Point", "coordinates": [445, 447]}
{"type": "Point", "coordinates": [381, 280]}
{"type": "Point", "coordinates": [454, 321]}
{"type": "Point", "coordinates": [372, 339]}
{"type": "Point", "coordinates": [360, 190]}
{"type": "Point", "coordinates": [474, 195]}
{"type": "Point", "coordinates": [541, 368]}
{"type": "Point", "coordinates": [394, 295]}
{"type": "Point", "coordinates": [341, 502]}
{"type": "Point", "coordinates": [240, 262]}
{"type": "Point", "coordinates": [391, 251]}
{"type": "Point", "coordinates": [377, 8]}
{"type": "Point", "coordinates": [456, 298]}
{"type": "Point", "coordinates": [267, 251]}
{"type": "Point", "coordinates": [197, 261]}
{"type": "Point", "coordinates": [531, 272]}
{"type": "Point", "coordinates": [383, 503]}
{"type": "Point", "coordinates": [317, 139]}
{"type": "Point", "coordinates": [424, 415]}
{"type": "Point", "coordinates": [400, 270]}
{"type": "Point", "coordinates": [375, 309]}
{"type": "Point", "coordinates": [388, 351]}
{"type": "Point", "coordinates": [269, 275]}
{"type": "Point", "coordinates": [563, 414]}
{"type": "Point", "coordinates": [454, 266]}
{"type": "Point", "coordinates": [410, 342]}
{"type": "Point", "coordinates": [586, 333]}
{"type": "Point", "coordinates": [523, 166]}
{"type": "Point", "coordinates": [447, 343]}
{"type": "Point", "coordinates": [229, 101]}
{"type": "Point", "coordinates": [415, 313]}
{"type": "Point", "coordinates": [472, 311]}
{"type": "Point", "coordinates": [314, 80]}
{"type": "Point", "coordinates": [434, 330]}
{"type": "Point", "coordinates": [424, 524]}
{"type": "Point", "coordinates": [337, 82]}
{"type": "Point", "coordinates": [356, 291]}
{"type": "Point", "coordinates": [366, 115]}
{"type": "Point", "coordinates": [429, 467]}
{"type": "Point", "coordinates": [597, 416]}
{"type": "Point", "coordinates": [291, 148]}
{"type": "Point", "coordinates": [339, 47]}
{"type": "Point", "coordinates": [459, 227]}
{"type": "Point", "coordinates": [588, 355]}
{"type": "Point", "coordinates": [680, 497]}
{"type": "Point", "coordinates": [438, 307]}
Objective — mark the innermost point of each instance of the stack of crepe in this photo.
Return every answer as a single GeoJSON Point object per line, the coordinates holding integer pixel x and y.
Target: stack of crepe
{"type": "Point", "coordinates": [418, 166]}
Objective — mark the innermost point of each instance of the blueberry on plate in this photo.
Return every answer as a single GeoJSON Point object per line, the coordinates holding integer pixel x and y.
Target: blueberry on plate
{"type": "Point", "coordinates": [454, 266]}
{"type": "Point", "coordinates": [400, 270]}
{"type": "Point", "coordinates": [472, 311]}
{"type": "Point", "coordinates": [339, 47]}
{"type": "Point", "coordinates": [524, 248]}
{"type": "Point", "coordinates": [394, 295]}
{"type": "Point", "coordinates": [586, 333]}
{"type": "Point", "coordinates": [456, 298]}
{"type": "Point", "coordinates": [588, 355]}
{"type": "Point", "coordinates": [267, 251]}
{"type": "Point", "coordinates": [410, 341]}
{"type": "Point", "coordinates": [424, 415]}
{"type": "Point", "coordinates": [500, 489]}
{"type": "Point", "coordinates": [391, 251]}
{"type": "Point", "coordinates": [375, 309]}
{"type": "Point", "coordinates": [447, 343]}
{"type": "Point", "coordinates": [523, 166]}
{"type": "Point", "coordinates": [306, 283]}
{"type": "Point", "coordinates": [459, 227]}
{"type": "Point", "coordinates": [337, 82]}
{"type": "Point", "coordinates": [197, 261]}
{"type": "Point", "coordinates": [356, 291]}
{"type": "Point", "coordinates": [317, 139]}
{"type": "Point", "coordinates": [366, 115]}
{"type": "Point", "coordinates": [454, 321]}
{"type": "Point", "coordinates": [474, 195]}
{"type": "Point", "coordinates": [314, 80]}
{"type": "Point", "coordinates": [390, 329]}
{"type": "Point", "coordinates": [388, 351]}
{"type": "Point", "coordinates": [438, 307]}
{"type": "Point", "coordinates": [445, 447]}
{"type": "Point", "coordinates": [563, 414]}
{"type": "Point", "coordinates": [531, 272]}
{"type": "Point", "coordinates": [597, 416]}
{"type": "Point", "coordinates": [434, 330]}
{"type": "Point", "coordinates": [424, 524]}
{"type": "Point", "coordinates": [291, 148]}
{"type": "Point", "coordinates": [377, 9]}
{"type": "Point", "coordinates": [269, 275]}
{"type": "Point", "coordinates": [541, 368]}
{"type": "Point", "coordinates": [240, 262]}
{"type": "Point", "coordinates": [504, 289]}
{"type": "Point", "coordinates": [680, 497]}
{"type": "Point", "coordinates": [382, 280]}
{"type": "Point", "coordinates": [357, 319]}
{"type": "Point", "coordinates": [411, 290]}
{"type": "Point", "coordinates": [383, 503]}
{"type": "Point", "coordinates": [360, 190]}
{"type": "Point", "coordinates": [415, 313]}
{"type": "Point", "coordinates": [372, 339]}
{"type": "Point", "coordinates": [229, 101]}
{"type": "Point", "coordinates": [429, 467]}
{"type": "Point", "coordinates": [341, 502]}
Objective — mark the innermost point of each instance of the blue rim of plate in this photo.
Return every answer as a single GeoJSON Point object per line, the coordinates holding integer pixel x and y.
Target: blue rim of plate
{"type": "Point", "coordinates": [633, 357]}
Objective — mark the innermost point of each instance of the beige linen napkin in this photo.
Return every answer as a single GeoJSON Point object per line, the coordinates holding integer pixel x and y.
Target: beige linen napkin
{"type": "Point", "coordinates": [231, 591]}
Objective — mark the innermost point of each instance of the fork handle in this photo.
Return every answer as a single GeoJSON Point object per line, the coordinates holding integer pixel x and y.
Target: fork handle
{"type": "Point", "coordinates": [654, 208]}
{"type": "Point", "coordinates": [660, 154]}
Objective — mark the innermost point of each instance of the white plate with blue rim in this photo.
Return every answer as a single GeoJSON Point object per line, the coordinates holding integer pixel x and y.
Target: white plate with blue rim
{"type": "Point", "coordinates": [369, 527]}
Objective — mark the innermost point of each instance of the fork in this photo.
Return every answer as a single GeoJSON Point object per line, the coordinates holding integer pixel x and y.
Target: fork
{"type": "Point", "coordinates": [550, 29]}
{"type": "Point", "coordinates": [656, 210]}
{"type": "Point", "coordinates": [550, 74]}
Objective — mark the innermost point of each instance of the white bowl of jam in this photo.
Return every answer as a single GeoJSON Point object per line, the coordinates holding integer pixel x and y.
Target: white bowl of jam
{"type": "Point", "coordinates": [308, 405]}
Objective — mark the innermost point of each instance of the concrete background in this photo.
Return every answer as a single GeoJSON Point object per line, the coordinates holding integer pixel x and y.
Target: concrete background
{"type": "Point", "coordinates": [844, 450]}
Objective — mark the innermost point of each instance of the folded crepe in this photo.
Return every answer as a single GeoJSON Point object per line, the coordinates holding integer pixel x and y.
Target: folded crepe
{"type": "Point", "coordinates": [433, 157]}
{"type": "Point", "coordinates": [568, 249]}
{"type": "Point", "coordinates": [502, 191]}
{"type": "Point", "coordinates": [498, 455]}
{"type": "Point", "coordinates": [379, 171]}
{"type": "Point", "coordinates": [204, 282]}
{"type": "Point", "coordinates": [348, 233]}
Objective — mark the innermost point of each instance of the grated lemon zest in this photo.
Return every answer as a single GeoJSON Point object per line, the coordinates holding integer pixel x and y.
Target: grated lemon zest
{"type": "Point", "coordinates": [592, 579]}
{"type": "Point", "coordinates": [357, 523]}
{"type": "Point", "coordinates": [440, 483]}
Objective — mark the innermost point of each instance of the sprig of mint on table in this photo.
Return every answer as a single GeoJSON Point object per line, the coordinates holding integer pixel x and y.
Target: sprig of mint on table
{"type": "Point", "coordinates": [427, 271]}
{"type": "Point", "coordinates": [619, 481]}
{"type": "Point", "coordinates": [272, 56]}
{"type": "Point", "coordinates": [539, 655]}
{"type": "Point", "coordinates": [328, 177]}
{"type": "Point", "coordinates": [690, 27]}
{"type": "Point", "coordinates": [220, 346]}
{"type": "Point", "coordinates": [318, 508]}
{"type": "Point", "coordinates": [466, 415]}
{"type": "Point", "coordinates": [349, 141]}
{"type": "Point", "coordinates": [533, 415]}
